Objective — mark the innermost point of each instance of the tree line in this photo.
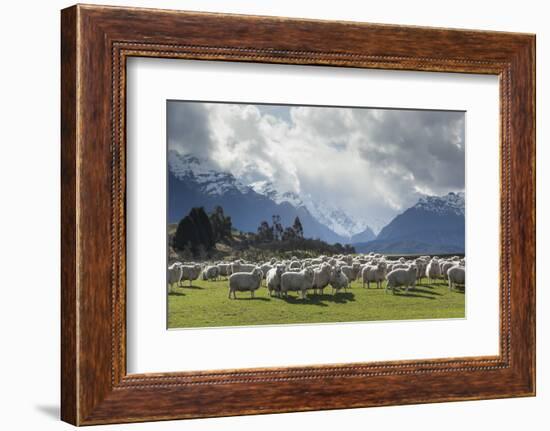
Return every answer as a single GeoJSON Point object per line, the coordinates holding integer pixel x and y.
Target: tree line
{"type": "Point", "coordinates": [197, 234]}
{"type": "Point", "coordinates": [276, 232]}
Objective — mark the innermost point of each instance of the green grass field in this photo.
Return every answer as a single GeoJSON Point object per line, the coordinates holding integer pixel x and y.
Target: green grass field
{"type": "Point", "coordinates": [206, 305]}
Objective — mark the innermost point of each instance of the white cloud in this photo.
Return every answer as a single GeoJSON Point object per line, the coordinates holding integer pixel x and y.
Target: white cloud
{"type": "Point", "coordinates": [372, 163]}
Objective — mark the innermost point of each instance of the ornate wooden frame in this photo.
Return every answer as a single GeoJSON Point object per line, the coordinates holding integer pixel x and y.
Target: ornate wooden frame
{"type": "Point", "coordinates": [95, 43]}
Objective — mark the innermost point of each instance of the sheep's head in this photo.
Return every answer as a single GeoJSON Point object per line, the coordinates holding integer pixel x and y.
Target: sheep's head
{"type": "Point", "coordinates": [325, 267]}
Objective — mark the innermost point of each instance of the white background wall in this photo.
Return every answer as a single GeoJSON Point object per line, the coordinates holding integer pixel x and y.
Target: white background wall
{"type": "Point", "coordinates": [29, 227]}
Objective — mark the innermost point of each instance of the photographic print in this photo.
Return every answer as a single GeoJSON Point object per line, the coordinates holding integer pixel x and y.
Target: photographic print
{"type": "Point", "coordinates": [298, 214]}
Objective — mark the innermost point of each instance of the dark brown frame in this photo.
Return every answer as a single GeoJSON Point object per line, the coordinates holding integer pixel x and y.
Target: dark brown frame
{"type": "Point", "coordinates": [95, 43]}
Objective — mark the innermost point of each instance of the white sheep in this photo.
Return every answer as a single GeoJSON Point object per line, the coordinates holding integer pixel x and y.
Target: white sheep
{"type": "Point", "coordinates": [265, 269]}
{"type": "Point", "coordinates": [293, 269]}
{"type": "Point", "coordinates": [295, 265]}
{"type": "Point", "coordinates": [401, 277]}
{"type": "Point", "coordinates": [174, 273]}
{"type": "Point", "coordinates": [352, 271]}
{"type": "Point", "coordinates": [456, 275]}
{"type": "Point", "coordinates": [297, 281]}
{"type": "Point", "coordinates": [445, 266]}
{"type": "Point", "coordinates": [338, 280]}
{"type": "Point", "coordinates": [321, 277]}
{"type": "Point", "coordinates": [211, 272]}
{"type": "Point", "coordinates": [190, 272]}
{"type": "Point", "coordinates": [224, 269]}
{"type": "Point", "coordinates": [273, 279]}
{"type": "Point", "coordinates": [242, 267]}
{"type": "Point", "coordinates": [374, 273]}
{"type": "Point", "coordinates": [245, 281]}
{"type": "Point", "coordinates": [348, 259]}
{"type": "Point", "coordinates": [349, 272]}
{"type": "Point", "coordinates": [421, 264]}
{"type": "Point", "coordinates": [432, 270]}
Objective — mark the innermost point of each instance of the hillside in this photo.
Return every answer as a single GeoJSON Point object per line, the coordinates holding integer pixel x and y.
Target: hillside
{"type": "Point", "coordinates": [433, 225]}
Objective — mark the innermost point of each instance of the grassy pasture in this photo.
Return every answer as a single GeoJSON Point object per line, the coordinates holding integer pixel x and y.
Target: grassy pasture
{"type": "Point", "coordinates": [206, 305]}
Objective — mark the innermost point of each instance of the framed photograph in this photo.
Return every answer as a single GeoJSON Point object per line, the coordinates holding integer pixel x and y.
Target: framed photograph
{"type": "Point", "coordinates": [266, 195]}
{"type": "Point", "coordinates": [265, 214]}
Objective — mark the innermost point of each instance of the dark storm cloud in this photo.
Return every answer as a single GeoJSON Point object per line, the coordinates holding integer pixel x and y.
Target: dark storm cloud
{"type": "Point", "coordinates": [429, 145]}
{"type": "Point", "coordinates": [188, 128]}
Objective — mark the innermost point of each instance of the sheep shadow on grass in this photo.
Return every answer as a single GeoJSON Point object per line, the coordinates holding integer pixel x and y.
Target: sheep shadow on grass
{"type": "Point", "coordinates": [459, 289]}
{"type": "Point", "coordinates": [310, 300]}
{"type": "Point", "coordinates": [416, 293]}
{"type": "Point", "coordinates": [340, 297]}
{"type": "Point", "coordinates": [431, 285]}
{"type": "Point", "coordinates": [173, 293]}
{"type": "Point", "coordinates": [426, 292]}
{"type": "Point", "coordinates": [320, 299]}
{"type": "Point", "coordinates": [191, 287]}
{"type": "Point", "coordinates": [249, 298]}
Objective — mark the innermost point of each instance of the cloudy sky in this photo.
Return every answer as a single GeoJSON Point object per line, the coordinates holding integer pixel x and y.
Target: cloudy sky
{"type": "Point", "coordinates": [372, 163]}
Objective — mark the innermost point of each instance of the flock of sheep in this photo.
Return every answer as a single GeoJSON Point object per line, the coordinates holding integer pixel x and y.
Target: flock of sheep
{"type": "Point", "coordinates": [316, 274]}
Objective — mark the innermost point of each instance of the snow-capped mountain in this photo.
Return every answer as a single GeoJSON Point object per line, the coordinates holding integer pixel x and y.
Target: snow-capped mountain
{"type": "Point", "coordinates": [450, 203]}
{"type": "Point", "coordinates": [267, 188]}
{"type": "Point", "coordinates": [435, 224]}
{"type": "Point", "coordinates": [200, 171]}
{"type": "Point", "coordinates": [196, 182]}
{"type": "Point", "coordinates": [334, 218]}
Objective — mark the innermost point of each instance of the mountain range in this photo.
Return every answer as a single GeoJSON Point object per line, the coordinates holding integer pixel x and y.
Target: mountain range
{"type": "Point", "coordinates": [433, 224]}
{"type": "Point", "coordinates": [194, 182]}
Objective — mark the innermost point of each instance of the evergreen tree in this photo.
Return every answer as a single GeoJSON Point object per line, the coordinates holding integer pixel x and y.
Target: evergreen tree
{"type": "Point", "coordinates": [186, 234]}
{"type": "Point", "coordinates": [201, 252]}
{"type": "Point", "coordinates": [221, 225]}
{"type": "Point", "coordinates": [349, 249]}
{"type": "Point", "coordinates": [203, 226]}
{"type": "Point", "coordinates": [298, 229]}
{"type": "Point", "coordinates": [187, 252]}
{"type": "Point", "coordinates": [277, 227]}
{"type": "Point", "coordinates": [194, 229]}
{"type": "Point", "coordinates": [265, 233]}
